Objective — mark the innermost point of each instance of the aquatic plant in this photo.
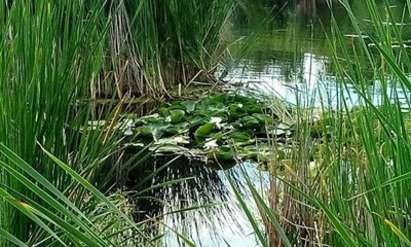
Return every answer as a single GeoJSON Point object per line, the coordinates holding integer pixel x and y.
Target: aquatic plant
{"type": "Point", "coordinates": [221, 130]}
{"type": "Point", "coordinates": [96, 221]}
{"type": "Point", "coordinates": [42, 73]}
{"type": "Point", "coordinates": [49, 56]}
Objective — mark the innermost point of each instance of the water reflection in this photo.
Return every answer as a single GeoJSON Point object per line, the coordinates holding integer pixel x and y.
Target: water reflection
{"type": "Point", "coordinates": [288, 55]}
{"type": "Point", "coordinates": [301, 87]}
{"type": "Point", "coordinates": [208, 211]}
{"type": "Point", "coordinates": [310, 85]}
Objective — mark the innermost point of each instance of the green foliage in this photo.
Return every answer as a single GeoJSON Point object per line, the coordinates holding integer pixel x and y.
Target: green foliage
{"type": "Point", "coordinates": [203, 131]}
{"type": "Point", "coordinates": [162, 43]}
{"type": "Point", "coordinates": [55, 54]}
{"type": "Point", "coordinates": [49, 54]}
{"type": "Point", "coordinates": [206, 126]}
{"type": "Point", "coordinates": [176, 116]}
{"type": "Point", "coordinates": [346, 176]}
{"type": "Point", "coordinates": [250, 122]}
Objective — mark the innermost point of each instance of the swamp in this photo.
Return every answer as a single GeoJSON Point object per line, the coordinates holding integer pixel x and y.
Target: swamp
{"type": "Point", "coordinates": [205, 123]}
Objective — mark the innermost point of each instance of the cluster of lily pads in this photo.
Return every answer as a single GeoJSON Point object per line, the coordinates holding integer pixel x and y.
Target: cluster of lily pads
{"type": "Point", "coordinates": [221, 130]}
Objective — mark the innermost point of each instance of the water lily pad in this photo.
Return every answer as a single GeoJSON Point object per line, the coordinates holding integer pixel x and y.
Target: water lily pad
{"type": "Point", "coordinates": [176, 116]}
{"type": "Point", "coordinates": [145, 132]}
{"type": "Point", "coordinates": [164, 111]}
{"type": "Point", "coordinates": [250, 122]}
{"type": "Point", "coordinates": [169, 149]}
{"type": "Point", "coordinates": [173, 130]}
{"type": "Point", "coordinates": [219, 137]}
{"type": "Point", "coordinates": [204, 130]}
{"type": "Point", "coordinates": [259, 153]}
{"type": "Point", "coordinates": [236, 111]}
{"type": "Point", "coordinates": [222, 157]}
{"type": "Point", "coordinates": [240, 136]}
{"type": "Point", "coordinates": [178, 140]}
{"type": "Point", "coordinates": [197, 120]}
{"type": "Point", "coordinates": [176, 106]}
{"type": "Point", "coordinates": [189, 105]}
{"type": "Point", "coordinates": [252, 107]}
{"type": "Point", "coordinates": [213, 126]}
{"type": "Point", "coordinates": [264, 119]}
{"type": "Point", "coordinates": [154, 118]}
{"type": "Point", "coordinates": [224, 154]}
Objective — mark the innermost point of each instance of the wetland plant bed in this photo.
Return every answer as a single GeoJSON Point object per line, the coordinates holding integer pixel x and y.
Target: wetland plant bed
{"type": "Point", "coordinates": [219, 130]}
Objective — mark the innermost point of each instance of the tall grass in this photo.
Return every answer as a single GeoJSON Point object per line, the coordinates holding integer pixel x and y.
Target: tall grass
{"type": "Point", "coordinates": [50, 53]}
{"type": "Point", "coordinates": [349, 186]}
{"type": "Point", "coordinates": [372, 202]}
{"type": "Point", "coordinates": [54, 55]}
{"type": "Point", "coordinates": [97, 221]}
{"type": "Point", "coordinates": [155, 45]}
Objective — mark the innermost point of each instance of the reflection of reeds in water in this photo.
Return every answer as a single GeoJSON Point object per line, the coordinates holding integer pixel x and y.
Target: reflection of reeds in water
{"type": "Point", "coordinates": [197, 200]}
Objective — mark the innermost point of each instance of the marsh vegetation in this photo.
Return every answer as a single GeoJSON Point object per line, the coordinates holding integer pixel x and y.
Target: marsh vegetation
{"type": "Point", "coordinates": [205, 123]}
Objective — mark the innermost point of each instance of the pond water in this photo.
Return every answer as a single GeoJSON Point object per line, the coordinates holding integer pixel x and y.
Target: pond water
{"type": "Point", "coordinates": [221, 222]}
{"type": "Point", "coordinates": [288, 55]}
{"type": "Point", "coordinates": [285, 55]}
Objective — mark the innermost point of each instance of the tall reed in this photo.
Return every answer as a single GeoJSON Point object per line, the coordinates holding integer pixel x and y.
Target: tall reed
{"type": "Point", "coordinates": [50, 53]}
{"type": "Point", "coordinates": [156, 45]}
{"type": "Point", "coordinates": [345, 179]}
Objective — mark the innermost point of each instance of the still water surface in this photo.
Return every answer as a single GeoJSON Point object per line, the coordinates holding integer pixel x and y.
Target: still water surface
{"type": "Point", "coordinates": [288, 55]}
